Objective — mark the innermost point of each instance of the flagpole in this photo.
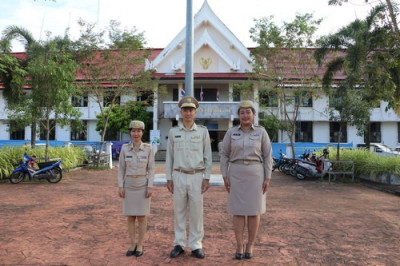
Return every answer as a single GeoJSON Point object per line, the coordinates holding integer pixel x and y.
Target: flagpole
{"type": "Point", "coordinates": [189, 49]}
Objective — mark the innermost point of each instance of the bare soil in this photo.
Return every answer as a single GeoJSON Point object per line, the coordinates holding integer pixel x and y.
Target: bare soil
{"type": "Point", "coordinates": [79, 222]}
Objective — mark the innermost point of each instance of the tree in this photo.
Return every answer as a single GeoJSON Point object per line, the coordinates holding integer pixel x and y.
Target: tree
{"type": "Point", "coordinates": [284, 66]}
{"type": "Point", "coordinates": [121, 115]}
{"type": "Point", "coordinates": [359, 51]}
{"type": "Point", "coordinates": [51, 69]}
{"type": "Point", "coordinates": [121, 68]}
{"type": "Point", "coordinates": [392, 8]}
{"type": "Point", "coordinates": [14, 94]}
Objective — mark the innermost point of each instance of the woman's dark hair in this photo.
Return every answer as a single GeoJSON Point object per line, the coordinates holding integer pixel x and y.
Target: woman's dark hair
{"type": "Point", "coordinates": [252, 109]}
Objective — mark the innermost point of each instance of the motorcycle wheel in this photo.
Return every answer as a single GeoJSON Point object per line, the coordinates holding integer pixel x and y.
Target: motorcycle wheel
{"type": "Point", "coordinates": [300, 176]}
{"type": "Point", "coordinates": [17, 177]}
{"type": "Point", "coordinates": [58, 176]}
{"type": "Point", "coordinates": [274, 165]}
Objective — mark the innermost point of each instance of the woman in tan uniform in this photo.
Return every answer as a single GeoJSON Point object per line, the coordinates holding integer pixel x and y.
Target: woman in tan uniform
{"type": "Point", "coordinates": [135, 181]}
{"type": "Point", "coordinates": [246, 166]}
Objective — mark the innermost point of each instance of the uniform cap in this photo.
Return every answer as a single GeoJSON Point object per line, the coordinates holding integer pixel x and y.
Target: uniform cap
{"type": "Point", "coordinates": [246, 104]}
{"type": "Point", "coordinates": [188, 101]}
{"type": "Point", "coordinates": [136, 124]}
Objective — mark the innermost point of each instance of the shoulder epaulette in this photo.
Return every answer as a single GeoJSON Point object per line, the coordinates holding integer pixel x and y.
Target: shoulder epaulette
{"type": "Point", "coordinates": [146, 144]}
{"type": "Point", "coordinates": [202, 126]}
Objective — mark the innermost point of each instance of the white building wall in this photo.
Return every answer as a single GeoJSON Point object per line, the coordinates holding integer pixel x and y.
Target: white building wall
{"type": "Point", "coordinates": [320, 131]}
{"type": "Point", "coordinates": [389, 134]}
{"type": "Point", "coordinates": [63, 134]}
{"type": "Point", "coordinates": [165, 126]}
{"type": "Point", "coordinates": [4, 134]}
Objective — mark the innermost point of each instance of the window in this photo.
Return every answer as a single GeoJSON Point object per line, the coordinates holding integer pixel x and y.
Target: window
{"type": "Point", "coordinates": [375, 132]}
{"type": "Point", "coordinates": [79, 132]}
{"type": "Point", "coordinates": [16, 133]}
{"type": "Point", "coordinates": [80, 101]}
{"type": "Point", "coordinates": [334, 132]}
{"type": "Point", "coordinates": [175, 93]}
{"type": "Point", "coordinates": [209, 95]}
{"type": "Point", "coordinates": [398, 132]}
{"type": "Point", "coordinates": [304, 131]}
{"type": "Point", "coordinates": [236, 94]}
{"type": "Point", "coordinates": [303, 101]}
{"type": "Point", "coordinates": [52, 131]}
{"type": "Point", "coordinates": [146, 97]}
{"type": "Point", "coordinates": [109, 96]}
{"type": "Point", "coordinates": [268, 100]}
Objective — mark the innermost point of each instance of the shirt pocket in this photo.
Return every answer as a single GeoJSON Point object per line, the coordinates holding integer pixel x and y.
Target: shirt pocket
{"type": "Point", "coordinates": [196, 143]}
{"type": "Point", "coordinates": [255, 141]}
{"type": "Point", "coordinates": [179, 143]}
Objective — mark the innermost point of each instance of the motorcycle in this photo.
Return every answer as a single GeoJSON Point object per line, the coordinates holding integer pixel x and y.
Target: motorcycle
{"type": "Point", "coordinates": [284, 164]}
{"type": "Point", "coordinates": [318, 168]}
{"type": "Point", "coordinates": [52, 171]}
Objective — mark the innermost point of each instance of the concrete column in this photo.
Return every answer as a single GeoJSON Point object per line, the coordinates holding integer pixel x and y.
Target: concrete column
{"type": "Point", "coordinates": [256, 103]}
{"type": "Point", "coordinates": [109, 152]}
{"type": "Point", "coordinates": [180, 88]}
{"type": "Point", "coordinates": [155, 114]}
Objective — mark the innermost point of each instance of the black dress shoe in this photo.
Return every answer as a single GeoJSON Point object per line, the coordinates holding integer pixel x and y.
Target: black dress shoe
{"type": "Point", "coordinates": [248, 255]}
{"type": "Point", "coordinates": [178, 250]}
{"type": "Point", "coordinates": [238, 256]}
{"type": "Point", "coordinates": [131, 252]}
{"type": "Point", "coordinates": [198, 253]}
{"type": "Point", "coordinates": [139, 253]}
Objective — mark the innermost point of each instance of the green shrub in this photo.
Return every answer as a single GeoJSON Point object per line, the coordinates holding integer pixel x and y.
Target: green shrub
{"type": "Point", "coordinates": [11, 157]}
{"type": "Point", "coordinates": [366, 162]}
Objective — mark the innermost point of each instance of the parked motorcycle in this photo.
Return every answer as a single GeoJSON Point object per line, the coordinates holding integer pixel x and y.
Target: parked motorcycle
{"type": "Point", "coordinates": [52, 171]}
{"type": "Point", "coordinates": [319, 168]}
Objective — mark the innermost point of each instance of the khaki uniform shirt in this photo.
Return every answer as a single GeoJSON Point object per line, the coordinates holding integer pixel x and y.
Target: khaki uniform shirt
{"type": "Point", "coordinates": [253, 145]}
{"type": "Point", "coordinates": [189, 150]}
{"type": "Point", "coordinates": [133, 162]}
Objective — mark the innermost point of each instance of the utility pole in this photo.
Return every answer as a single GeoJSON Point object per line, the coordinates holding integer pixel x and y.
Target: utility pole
{"type": "Point", "coordinates": [189, 50]}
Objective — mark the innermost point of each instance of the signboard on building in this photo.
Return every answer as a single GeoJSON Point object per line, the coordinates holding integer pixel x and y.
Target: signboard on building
{"type": "Point", "coordinates": [155, 137]}
{"type": "Point", "coordinates": [205, 110]}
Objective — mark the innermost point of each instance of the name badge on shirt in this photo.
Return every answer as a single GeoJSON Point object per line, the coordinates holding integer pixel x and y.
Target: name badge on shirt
{"type": "Point", "coordinates": [143, 157]}
{"type": "Point", "coordinates": [255, 134]}
{"type": "Point", "coordinates": [129, 156]}
{"type": "Point", "coordinates": [236, 134]}
{"type": "Point", "coordinates": [195, 137]}
{"type": "Point", "coordinates": [177, 137]}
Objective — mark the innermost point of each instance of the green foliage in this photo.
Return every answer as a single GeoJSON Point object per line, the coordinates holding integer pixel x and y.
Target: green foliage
{"type": "Point", "coordinates": [121, 115]}
{"type": "Point", "coordinates": [282, 56]}
{"type": "Point", "coordinates": [366, 162]}
{"type": "Point", "coordinates": [272, 125]}
{"type": "Point", "coordinates": [11, 157]}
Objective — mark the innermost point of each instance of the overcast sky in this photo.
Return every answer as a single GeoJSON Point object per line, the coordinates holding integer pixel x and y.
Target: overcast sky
{"type": "Point", "coordinates": [162, 20]}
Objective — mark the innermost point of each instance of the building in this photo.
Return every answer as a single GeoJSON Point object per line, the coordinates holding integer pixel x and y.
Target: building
{"type": "Point", "coordinates": [220, 62]}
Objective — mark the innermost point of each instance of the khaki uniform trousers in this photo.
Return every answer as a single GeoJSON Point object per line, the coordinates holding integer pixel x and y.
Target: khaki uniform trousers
{"type": "Point", "coordinates": [188, 198]}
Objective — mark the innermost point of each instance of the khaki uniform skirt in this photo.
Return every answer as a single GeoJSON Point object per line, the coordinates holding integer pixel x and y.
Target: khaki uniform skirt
{"type": "Point", "coordinates": [135, 202]}
{"type": "Point", "coordinates": [246, 197]}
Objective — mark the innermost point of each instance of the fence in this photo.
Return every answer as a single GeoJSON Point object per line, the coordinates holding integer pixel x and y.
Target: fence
{"type": "Point", "coordinates": [342, 168]}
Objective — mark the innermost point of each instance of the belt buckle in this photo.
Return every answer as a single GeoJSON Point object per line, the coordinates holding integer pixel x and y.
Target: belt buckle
{"type": "Point", "coordinates": [246, 162]}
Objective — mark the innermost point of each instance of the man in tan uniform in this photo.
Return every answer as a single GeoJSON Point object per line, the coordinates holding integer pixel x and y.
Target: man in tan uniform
{"type": "Point", "coordinates": [188, 167]}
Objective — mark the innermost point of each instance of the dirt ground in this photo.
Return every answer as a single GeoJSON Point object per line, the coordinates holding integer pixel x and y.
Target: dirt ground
{"type": "Point", "coordinates": [79, 222]}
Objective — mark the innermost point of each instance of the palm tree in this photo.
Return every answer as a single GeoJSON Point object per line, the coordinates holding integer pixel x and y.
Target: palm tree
{"type": "Point", "coordinates": [14, 94]}
{"type": "Point", "coordinates": [360, 51]}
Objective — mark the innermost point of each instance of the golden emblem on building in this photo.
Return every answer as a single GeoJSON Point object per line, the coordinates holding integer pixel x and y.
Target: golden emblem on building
{"type": "Point", "coordinates": [205, 62]}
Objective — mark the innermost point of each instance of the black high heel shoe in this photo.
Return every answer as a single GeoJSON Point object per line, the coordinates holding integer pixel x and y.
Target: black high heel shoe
{"type": "Point", "coordinates": [139, 253]}
{"type": "Point", "coordinates": [248, 255]}
{"type": "Point", "coordinates": [239, 256]}
{"type": "Point", "coordinates": [131, 252]}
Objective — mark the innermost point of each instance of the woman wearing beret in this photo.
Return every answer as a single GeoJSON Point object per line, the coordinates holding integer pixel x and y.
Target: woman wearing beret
{"type": "Point", "coordinates": [135, 181]}
{"type": "Point", "coordinates": [246, 166]}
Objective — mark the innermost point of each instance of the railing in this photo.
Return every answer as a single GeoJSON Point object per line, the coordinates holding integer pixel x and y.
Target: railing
{"type": "Point", "coordinates": [341, 168]}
